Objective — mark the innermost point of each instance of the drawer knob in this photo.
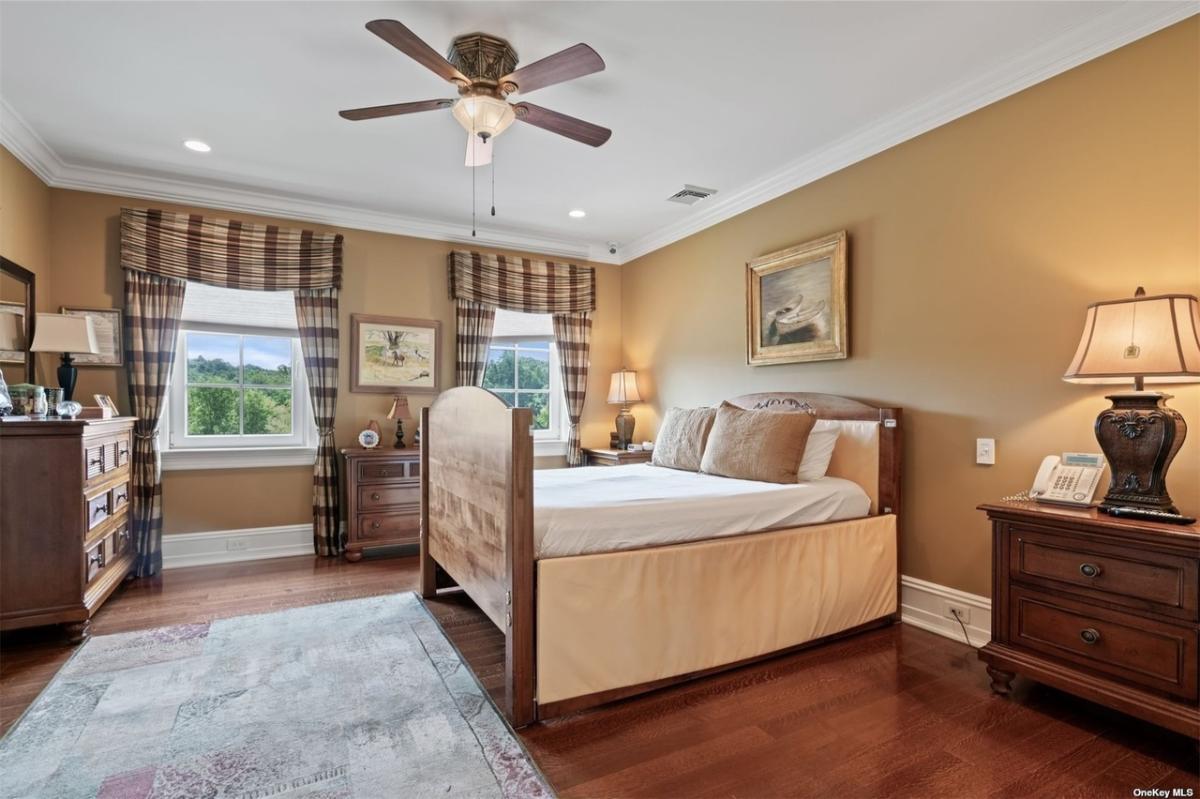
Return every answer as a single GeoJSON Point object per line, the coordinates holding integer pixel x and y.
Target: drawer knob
{"type": "Point", "coordinates": [94, 461]}
{"type": "Point", "coordinates": [1089, 636]}
{"type": "Point", "coordinates": [375, 495]}
{"type": "Point", "coordinates": [96, 511]}
{"type": "Point", "coordinates": [97, 558]}
{"type": "Point", "coordinates": [375, 525]}
{"type": "Point", "coordinates": [384, 473]}
{"type": "Point", "coordinates": [1089, 570]}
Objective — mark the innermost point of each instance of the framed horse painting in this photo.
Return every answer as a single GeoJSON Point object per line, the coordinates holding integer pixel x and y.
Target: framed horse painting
{"type": "Point", "coordinates": [796, 307]}
{"type": "Point", "coordinates": [390, 355]}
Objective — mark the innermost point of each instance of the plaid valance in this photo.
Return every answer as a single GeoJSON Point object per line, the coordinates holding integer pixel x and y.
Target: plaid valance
{"type": "Point", "coordinates": [223, 252]}
{"type": "Point", "coordinates": [521, 284]}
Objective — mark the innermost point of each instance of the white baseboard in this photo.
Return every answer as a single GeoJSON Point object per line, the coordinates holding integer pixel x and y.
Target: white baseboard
{"type": "Point", "coordinates": [232, 546]}
{"type": "Point", "coordinates": [923, 604]}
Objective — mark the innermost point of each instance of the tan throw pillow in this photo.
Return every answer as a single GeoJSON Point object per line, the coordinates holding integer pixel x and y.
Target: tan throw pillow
{"type": "Point", "coordinates": [681, 438]}
{"type": "Point", "coordinates": [756, 445]}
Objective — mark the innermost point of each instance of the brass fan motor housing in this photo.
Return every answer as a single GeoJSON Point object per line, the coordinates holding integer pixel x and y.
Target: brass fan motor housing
{"type": "Point", "coordinates": [484, 59]}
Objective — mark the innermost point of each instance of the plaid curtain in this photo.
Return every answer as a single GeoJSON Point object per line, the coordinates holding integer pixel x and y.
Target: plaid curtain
{"type": "Point", "coordinates": [522, 284]}
{"type": "Point", "coordinates": [153, 305]}
{"type": "Point", "coordinates": [573, 337]}
{"type": "Point", "coordinates": [317, 315]}
{"type": "Point", "coordinates": [474, 335]}
{"type": "Point", "coordinates": [238, 255]}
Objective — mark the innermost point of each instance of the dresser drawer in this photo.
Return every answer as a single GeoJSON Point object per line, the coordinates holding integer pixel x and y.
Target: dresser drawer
{"type": "Point", "coordinates": [120, 541]}
{"type": "Point", "coordinates": [93, 460]}
{"type": "Point", "coordinates": [1133, 648]}
{"type": "Point", "coordinates": [119, 498]}
{"type": "Point", "coordinates": [376, 526]}
{"type": "Point", "coordinates": [374, 471]}
{"type": "Point", "coordinates": [95, 558]}
{"type": "Point", "coordinates": [1136, 578]}
{"type": "Point", "coordinates": [373, 497]}
{"type": "Point", "coordinates": [99, 508]}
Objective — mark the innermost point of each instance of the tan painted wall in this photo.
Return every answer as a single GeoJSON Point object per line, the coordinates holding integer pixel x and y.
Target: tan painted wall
{"type": "Point", "coordinates": [384, 274]}
{"type": "Point", "coordinates": [974, 250]}
{"type": "Point", "coordinates": [25, 240]}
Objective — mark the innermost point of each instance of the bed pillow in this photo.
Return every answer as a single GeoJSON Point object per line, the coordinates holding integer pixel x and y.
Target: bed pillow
{"type": "Point", "coordinates": [757, 445]}
{"type": "Point", "coordinates": [818, 451]}
{"type": "Point", "coordinates": [681, 438]}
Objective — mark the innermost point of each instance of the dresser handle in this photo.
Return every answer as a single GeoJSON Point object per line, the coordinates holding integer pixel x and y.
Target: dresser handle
{"type": "Point", "coordinates": [1089, 636]}
{"type": "Point", "coordinates": [94, 461]}
{"type": "Point", "coordinates": [375, 525]}
{"type": "Point", "coordinates": [1089, 570]}
{"type": "Point", "coordinates": [96, 559]}
{"type": "Point", "coordinates": [123, 534]}
{"type": "Point", "coordinates": [385, 473]}
{"type": "Point", "coordinates": [375, 495]}
{"type": "Point", "coordinates": [96, 511]}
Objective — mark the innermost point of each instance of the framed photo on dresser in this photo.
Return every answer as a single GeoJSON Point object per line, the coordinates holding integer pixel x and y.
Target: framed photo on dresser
{"type": "Point", "coordinates": [796, 307]}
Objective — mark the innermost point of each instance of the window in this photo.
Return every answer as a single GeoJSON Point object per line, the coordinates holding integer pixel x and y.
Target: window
{"type": "Point", "coordinates": [522, 369]}
{"type": "Point", "coordinates": [238, 394]}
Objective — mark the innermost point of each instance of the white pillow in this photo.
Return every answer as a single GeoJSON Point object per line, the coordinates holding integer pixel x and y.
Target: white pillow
{"type": "Point", "coordinates": [818, 451]}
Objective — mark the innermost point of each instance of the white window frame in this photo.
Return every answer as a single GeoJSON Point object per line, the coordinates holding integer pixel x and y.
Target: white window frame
{"type": "Point", "coordinates": [552, 441]}
{"type": "Point", "coordinates": [182, 451]}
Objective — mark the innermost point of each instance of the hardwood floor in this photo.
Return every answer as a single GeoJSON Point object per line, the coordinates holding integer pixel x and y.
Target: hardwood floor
{"type": "Point", "coordinates": [893, 713]}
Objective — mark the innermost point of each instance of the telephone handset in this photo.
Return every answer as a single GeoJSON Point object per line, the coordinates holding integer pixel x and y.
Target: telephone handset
{"type": "Point", "coordinates": [1074, 483]}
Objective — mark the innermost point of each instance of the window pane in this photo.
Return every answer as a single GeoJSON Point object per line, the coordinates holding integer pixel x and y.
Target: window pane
{"type": "Point", "coordinates": [535, 368]}
{"type": "Point", "coordinates": [212, 411]}
{"type": "Point", "coordinates": [268, 411]}
{"type": "Point", "coordinates": [212, 358]}
{"type": "Point", "coordinates": [266, 360]}
{"type": "Point", "coordinates": [540, 403]}
{"type": "Point", "coordinates": [499, 372]}
{"type": "Point", "coordinates": [507, 396]}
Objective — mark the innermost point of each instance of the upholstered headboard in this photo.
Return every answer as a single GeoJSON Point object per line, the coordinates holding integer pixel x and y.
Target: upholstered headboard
{"type": "Point", "coordinates": [868, 447]}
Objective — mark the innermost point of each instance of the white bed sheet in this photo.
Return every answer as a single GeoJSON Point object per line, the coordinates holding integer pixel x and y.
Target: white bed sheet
{"type": "Point", "coordinates": [608, 509]}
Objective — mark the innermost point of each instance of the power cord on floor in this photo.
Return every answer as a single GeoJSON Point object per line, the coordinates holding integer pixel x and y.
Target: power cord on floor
{"type": "Point", "coordinates": [966, 638]}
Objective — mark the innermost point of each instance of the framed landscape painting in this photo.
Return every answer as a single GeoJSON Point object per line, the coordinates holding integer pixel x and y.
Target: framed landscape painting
{"type": "Point", "coordinates": [390, 355]}
{"type": "Point", "coordinates": [796, 304]}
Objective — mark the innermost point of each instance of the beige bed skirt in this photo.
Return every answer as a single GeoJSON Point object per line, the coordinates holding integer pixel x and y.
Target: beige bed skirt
{"type": "Point", "coordinates": [619, 619]}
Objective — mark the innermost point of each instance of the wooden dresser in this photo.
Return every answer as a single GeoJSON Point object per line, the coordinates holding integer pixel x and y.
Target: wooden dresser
{"type": "Point", "coordinates": [381, 494]}
{"type": "Point", "coordinates": [1103, 608]}
{"type": "Point", "coordinates": [65, 543]}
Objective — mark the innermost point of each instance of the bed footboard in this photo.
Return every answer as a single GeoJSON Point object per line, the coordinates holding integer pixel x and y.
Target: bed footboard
{"type": "Point", "coordinates": [477, 522]}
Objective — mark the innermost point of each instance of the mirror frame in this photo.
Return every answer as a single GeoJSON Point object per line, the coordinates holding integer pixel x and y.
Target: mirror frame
{"type": "Point", "coordinates": [23, 275]}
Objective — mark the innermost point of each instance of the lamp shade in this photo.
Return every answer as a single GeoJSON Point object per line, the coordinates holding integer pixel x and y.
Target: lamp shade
{"type": "Point", "coordinates": [1151, 339]}
{"type": "Point", "coordinates": [624, 388]}
{"type": "Point", "coordinates": [399, 408]}
{"type": "Point", "coordinates": [59, 333]}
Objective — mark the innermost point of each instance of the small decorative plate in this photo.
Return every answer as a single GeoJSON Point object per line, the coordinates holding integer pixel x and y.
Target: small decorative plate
{"type": "Point", "coordinates": [369, 439]}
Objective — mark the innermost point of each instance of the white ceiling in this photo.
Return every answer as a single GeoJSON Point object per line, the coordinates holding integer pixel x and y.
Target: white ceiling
{"type": "Point", "coordinates": [749, 98]}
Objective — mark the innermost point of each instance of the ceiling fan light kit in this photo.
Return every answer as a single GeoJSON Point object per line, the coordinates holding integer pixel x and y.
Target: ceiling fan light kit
{"type": "Point", "coordinates": [483, 116]}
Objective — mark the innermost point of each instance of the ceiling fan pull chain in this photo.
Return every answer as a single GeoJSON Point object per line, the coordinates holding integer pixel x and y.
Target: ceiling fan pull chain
{"type": "Point", "coordinates": [493, 180]}
{"type": "Point", "coordinates": [473, 159]}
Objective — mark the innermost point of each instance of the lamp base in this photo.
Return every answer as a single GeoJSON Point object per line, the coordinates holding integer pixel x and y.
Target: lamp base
{"type": "Point", "coordinates": [399, 444]}
{"type": "Point", "coordinates": [1140, 436]}
{"type": "Point", "coordinates": [625, 424]}
{"type": "Point", "coordinates": [67, 375]}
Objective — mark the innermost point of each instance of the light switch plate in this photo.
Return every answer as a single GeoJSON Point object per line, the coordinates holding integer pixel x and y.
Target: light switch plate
{"type": "Point", "coordinates": [985, 451]}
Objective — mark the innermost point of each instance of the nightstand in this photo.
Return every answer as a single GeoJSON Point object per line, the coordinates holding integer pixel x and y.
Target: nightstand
{"type": "Point", "coordinates": [615, 457]}
{"type": "Point", "coordinates": [1103, 608]}
{"type": "Point", "coordinates": [381, 498]}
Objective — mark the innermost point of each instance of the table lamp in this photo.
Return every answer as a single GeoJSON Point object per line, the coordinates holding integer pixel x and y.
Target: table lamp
{"type": "Point", "coordinates": [65, 334]}
{"type": "Point", "coordinates": [399, 412]}
{"type": "Point", "coordinates": [622, 391]}
{"type": "Point", "coordinates": [1140, 340]}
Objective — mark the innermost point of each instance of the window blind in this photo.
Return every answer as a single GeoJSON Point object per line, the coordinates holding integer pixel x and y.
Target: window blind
{"type": "Point", "coordinates": [222, 306]}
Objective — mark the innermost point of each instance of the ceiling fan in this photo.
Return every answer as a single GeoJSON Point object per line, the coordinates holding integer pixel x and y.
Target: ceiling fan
{"type": "Point", "coordinates": [483, 67]}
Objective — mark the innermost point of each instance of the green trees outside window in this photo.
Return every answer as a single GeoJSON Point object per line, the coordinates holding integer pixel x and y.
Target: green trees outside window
{"type": "Point", "coordinates": [238, 385]}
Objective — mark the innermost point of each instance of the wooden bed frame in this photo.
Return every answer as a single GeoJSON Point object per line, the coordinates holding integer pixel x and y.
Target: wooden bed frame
{"type": "Point", "coordinates": [477, 521]}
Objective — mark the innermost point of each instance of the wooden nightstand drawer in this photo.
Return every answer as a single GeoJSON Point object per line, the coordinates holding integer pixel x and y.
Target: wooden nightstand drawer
{"type": "Point", "coordinates": [383, 471]}
{"type": "Point", "coordinates": [373, 497]}
{"type": "Point", "coordinates": [1133, 648]}
{"type": "Point", "coordinates": [375, 526]}
{"type": "Point", "coordinates": [1136, 578]}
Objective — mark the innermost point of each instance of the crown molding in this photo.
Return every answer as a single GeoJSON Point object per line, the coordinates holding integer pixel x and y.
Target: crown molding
{"type": "Point", "coordinates": [24, 143]}
{"type": "Point", "coordinates": [1126, 23]}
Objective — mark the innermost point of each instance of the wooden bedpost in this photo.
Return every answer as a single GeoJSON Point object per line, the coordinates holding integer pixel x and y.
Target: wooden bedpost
{"type": "Point", "coordinates": [891, 452]}
{"type": "Point", "coordinates": [519, 662]}
{"type": "Point", "coordinates": [428, 566]}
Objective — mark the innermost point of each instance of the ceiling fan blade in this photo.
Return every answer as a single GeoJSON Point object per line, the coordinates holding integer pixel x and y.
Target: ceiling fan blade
{"type": "Point", "coordinates": [562, 124]}
{"type": "Point", "coordinates": [376, 111]}
{"type": "Point", "coordinates": [574, 62]}
{"type": "Point", "coordinates": [407, 42]}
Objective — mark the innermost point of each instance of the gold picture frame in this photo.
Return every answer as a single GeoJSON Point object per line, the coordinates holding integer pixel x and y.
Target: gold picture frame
{"type": "Point", "coordinates": [796, 304]}
{"type": "Point", "coordinates": [393, 355]}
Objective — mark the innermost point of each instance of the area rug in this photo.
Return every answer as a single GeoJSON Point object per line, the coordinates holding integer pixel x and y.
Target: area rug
{"type": "Point", "coordinates": [364, 698]}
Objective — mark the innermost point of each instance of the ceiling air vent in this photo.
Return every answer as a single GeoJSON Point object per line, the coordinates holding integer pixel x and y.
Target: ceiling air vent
{"type": "Point", "coordinates": [690, 195]}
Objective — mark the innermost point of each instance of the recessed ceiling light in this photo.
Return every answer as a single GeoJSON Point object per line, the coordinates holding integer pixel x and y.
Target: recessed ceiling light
{"type": "Point", "coordinates": [578, 213]}
{"type": "Point", "coordinates": [196, 145]}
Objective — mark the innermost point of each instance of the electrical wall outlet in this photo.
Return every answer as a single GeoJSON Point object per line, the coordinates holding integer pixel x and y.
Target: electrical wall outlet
{"type": "Point", "coordinates": [237, 544]}
{"type": "Point", "coordinates": [985, 451]}
{"type": "Point", "coordinates": [950, 608]}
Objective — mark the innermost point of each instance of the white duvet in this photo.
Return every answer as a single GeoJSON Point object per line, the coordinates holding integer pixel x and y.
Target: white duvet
{"type": "Point", "coordinates": [607, 509]}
